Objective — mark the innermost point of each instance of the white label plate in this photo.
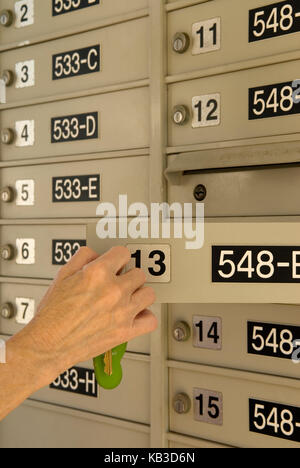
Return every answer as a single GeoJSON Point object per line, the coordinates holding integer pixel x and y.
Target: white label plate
{"type": "Point", "coordinates": [25, 251]}
{"type": "Point", "coordinates": [25, 192]}
{"type": "Point", "coordinates": [24, 133]}
{"type": "Point", "coordinates": [208, 406]}
{"type": "Point", "coordinates": [24, 11]}
{"type": "Point", "coordinates": [207, 332]}
{"type": "Point", "coordinates": [206, 110]}
{"type": "Point", "coordinates": [25, 310]}
{"type": "Point", "coordinates": [206, 36]}
{"type": "Point", "coordinates": [25, 74]}
{"type": "Point", "coordinates": [154, 260]}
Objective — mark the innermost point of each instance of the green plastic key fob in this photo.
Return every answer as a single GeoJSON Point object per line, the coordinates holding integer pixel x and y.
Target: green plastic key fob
{"type": "Point", "coordinates": [108, 368]}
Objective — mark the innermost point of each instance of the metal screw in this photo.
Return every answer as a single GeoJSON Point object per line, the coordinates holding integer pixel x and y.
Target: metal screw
{"type": "Point", "coordinates": [7, 194]}
{"type": "Point", "coordinates": [7, 310]}
{"type": "Point", "coordinates": [181, 43]}
{"type": "Point", "coordinates": [181, 331]}
{"type": "Point", "coordinates": [8, 77]}
{"type": "Point", "coordinates": [182, 403]}
{"type": "Point", "coordinates": [7, 136]}
{"type": "Point", "coordinates": [6, 18]}
{"type": "Point", "coordinates": [7, 252]}
{"type": "Point", "coordinates": [181, 115]}
{"type": "Point", "coordinates": [200, 192]}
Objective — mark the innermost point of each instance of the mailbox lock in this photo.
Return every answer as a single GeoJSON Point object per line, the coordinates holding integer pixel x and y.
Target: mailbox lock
{"type": "Point", "coordinates": [7, 195]}
{"type": "Point", "coordinates": [8, 77]}
{"type": "Point", "coordinates": [181, 115]}
{"type": "Point", "coordinates": [181, 42]}
{"type": "Point", "coordinates": [181, 331]}
{"type": "Point", "coordinates": [7, 310]}
{"type": "Point", "coordinates": [6, 18]}
{"type": "Point", "coordinates": [7, 136]}
{"type": "Point", "coordinates": [182, 403]}
{"type": "Point", "coordinates": [200, 192]}
{"type": "Point", "coordinates": [7, 252]}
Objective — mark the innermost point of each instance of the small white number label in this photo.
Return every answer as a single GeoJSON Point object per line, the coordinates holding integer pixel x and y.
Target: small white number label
{"type": "Point", "coordinates": [206, 36]}
{"type": "Point", "coordinates": [24, 133]}
{"type": "Point", "coordinates": [25, 74]}
{"type": "Point", "coordinates": [25, 192]}
{"type": "Point", "coordinates": [25, 251]}
{"type": "Point", "coordinates": [206, 110]}
{"type": "Point", "coordinates": [24, 10]}
{"type": "Point", "coordinates": [25, 310]}
{"type": "Point", "coordinates": [154, 260]}
{"type": "Point", "coordinates": [207, 332]}
{"type": "Point", "coordinates": [208, 406]}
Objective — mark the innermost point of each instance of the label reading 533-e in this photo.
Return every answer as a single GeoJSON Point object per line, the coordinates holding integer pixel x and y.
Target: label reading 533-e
{"type": "Point", "coordinates": [59, 7]}
{"type": "Point", "coordinates": [77, 380]}
{"type": "Point", "coordinates": [63, 250]}
{"type": "Point", "coordinates": [74, 127]}
{"type": "Point", "coordinates": [76, 62]}
{"type": "Point", "coordinates": [274, 20]}
{"type": "Point", "coordinates": [274, 419]}
{"type": "Point", "coordinates": [274, 340]}
{"type": "Point", "coordinates": [243, 264]}
{"type": "Point", "coordinates": [82, 188]}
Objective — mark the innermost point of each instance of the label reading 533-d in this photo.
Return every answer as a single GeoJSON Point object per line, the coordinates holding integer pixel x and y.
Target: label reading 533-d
{"type": "Point", "coordinates": [76, 62]}
{"type": "Point", "coordinates": [60, 7]}
{"type": "Point", "coordinates": [274, 20]}
{"type": "Point", "coordinates": [74, 127]}
{"type": "Point", "coordinates": [77, 380]}
{"type": "Point", "coordinates": [253, 264]}
{"type": "Point", "coordinates": [83, 188]}
{"type": "Point", "coordinates": [274, 419]}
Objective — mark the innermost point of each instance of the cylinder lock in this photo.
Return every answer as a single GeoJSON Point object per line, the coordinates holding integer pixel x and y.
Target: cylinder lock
{"type": "Point", "coordinates": [181, 115]}
{"type": "Point", "coordinates": [181, 331]}
{"type": "Point", "coordinates": [7, 136]}
{"type": "Point", "coordinates": [7, 310]}
{"type": "Point", "coordinates": [182, 403]}
{"type": "Point", "coordinates": [7, 252]}
{"type": "Point", "coordinates": [8, 77]}
{"type": "Point", "coordinates": [6, 18]}
{"type": "Point", "coordinates": [181, 42]}
{"type": "Point", "coordinates": [200, 192]}
{"type": "Point", "coordinates": [7, 195]}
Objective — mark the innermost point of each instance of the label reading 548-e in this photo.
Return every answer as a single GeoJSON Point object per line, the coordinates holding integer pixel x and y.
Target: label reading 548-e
{"type": "Point", "coordinates": [253, 264]}
{"type": "Point", "coordinates": [82, 188]}
{"type": "Point", "coordinates": [274, 419]}
{"type": "Point", "coordinates": [77, 380]}
{"type": "Point", "coordinates": [76, 62]}
{"type": "Point", "coordinates": [60, 7]}
{"type": "Point", "coordinates": [74, 127]}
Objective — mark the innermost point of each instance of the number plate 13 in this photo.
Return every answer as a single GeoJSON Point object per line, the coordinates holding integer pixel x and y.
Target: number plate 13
{"type": "Point", "coordinates": [154, 260]}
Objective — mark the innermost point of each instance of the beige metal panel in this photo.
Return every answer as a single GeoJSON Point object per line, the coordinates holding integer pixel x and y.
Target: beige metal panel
{"type": "Point", "coordinates": [227, 345]}
{"type": "Point", "coordinates": [234, 390]}
{"type": "Point", "coordinates": [55, 427]}
{"type": "Point", "coordinates": [181, 442]}
{"type": "Point", "coordinates": [118, 45]}
{"type": "Point", "coordinates": [111, 122]}
{"type": "Point", "coordinates": [128, 401]}
{"type": "Point", "coordinates": [73, 189]}
{"type": "Point", "coordinates": [42, 22]}
{"type": "Point", "coordinates": [17, 294]}
{"type": "Point", "coordinates": [233, 46]}
{"type": "Point", "coordinates": [36, 242]}
{"type": "Point", "coordinates": [226, 99]}
{"type": "Point", "coordinates": [242, 192]}
{"type": "Point", "coordinates": [186, 275]}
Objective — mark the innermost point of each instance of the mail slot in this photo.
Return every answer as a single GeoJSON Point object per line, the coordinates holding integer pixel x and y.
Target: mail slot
{"type": "Point", "coordinates": [77, 63]}
{"type": "Point", "coordinates": [19, 303]}
{"type": "Point", "coordinates": [82, 126]}
{"type": "Point", "coordinates": [123, 403]}
{"type": "Point", "coordinates": [255, 103]}
{"type": "Point", "coordinates": [267, 337]}
{"type": "Point", "coordinates": [235, 408]}
{"type": "Point", "coordinates": [244, 191]}
{"type": "Point", "coordinates": [57, 427]}
{"type": "Point", "coordinates": [72, 189]}
{"type": "Point", "coordinates": [27, 21]}
{"type": "Point", "coordinates": [226, 33]}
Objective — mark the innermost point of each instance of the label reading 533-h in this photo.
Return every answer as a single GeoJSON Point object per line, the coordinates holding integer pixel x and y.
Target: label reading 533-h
{"type": "Point", "coordinates": [274, 20]}
{"type": "Point", "coordinates": [77, 380]}
{"type": "Point", "coordinates": [74, 127]}
{"type": "Point", "coordinates": [243, 264]}
{"type": "Point", "coordinates": [60, 7]}
{"type": "Point", "coordinates": [76, 62]}
{"type": "Point", "coordinates": [83, 188]}
{"type": "Point", "coordinates": [274, 419]}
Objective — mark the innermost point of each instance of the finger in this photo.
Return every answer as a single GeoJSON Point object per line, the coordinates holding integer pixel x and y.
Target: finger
{"type": "Point", "coordinates": [142, 299]}
{"type": "Point", "coordinates": [145, 322]}
{"type": "Point", "coordinates": [133, 280]}
{"type": "Point", "coordinates": [83, 257]}
{"type": "Point", "coordinates": [115, 259]}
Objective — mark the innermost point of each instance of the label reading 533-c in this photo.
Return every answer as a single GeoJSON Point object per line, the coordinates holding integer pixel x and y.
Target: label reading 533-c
{"type": "Point", "coordinates": [275, 420]}
{"type": "Point", "coordinates": [76, 62]}
{"type": "Point", "coordinates": [59, 7]}
{"type": "Point", "coordinates": [253, 264]}
{"type": "Point", "coordinates": [274, 20]}
{"type": "Point", "coordinates": [74, 127]}
{"type": "Point", "coordinates": [82, 188]}
{"type": "Point", "coordinates": [77, 380]}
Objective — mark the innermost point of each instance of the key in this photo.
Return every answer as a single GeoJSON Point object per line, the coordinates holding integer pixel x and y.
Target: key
{"type": "Point", "coordinates": [108, 368]}
{"type": "Point", "coordinates": [108, 363]}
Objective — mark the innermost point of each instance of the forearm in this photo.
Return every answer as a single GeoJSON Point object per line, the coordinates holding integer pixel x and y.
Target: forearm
{"type": "Point", "coordinates": [24, 373]}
